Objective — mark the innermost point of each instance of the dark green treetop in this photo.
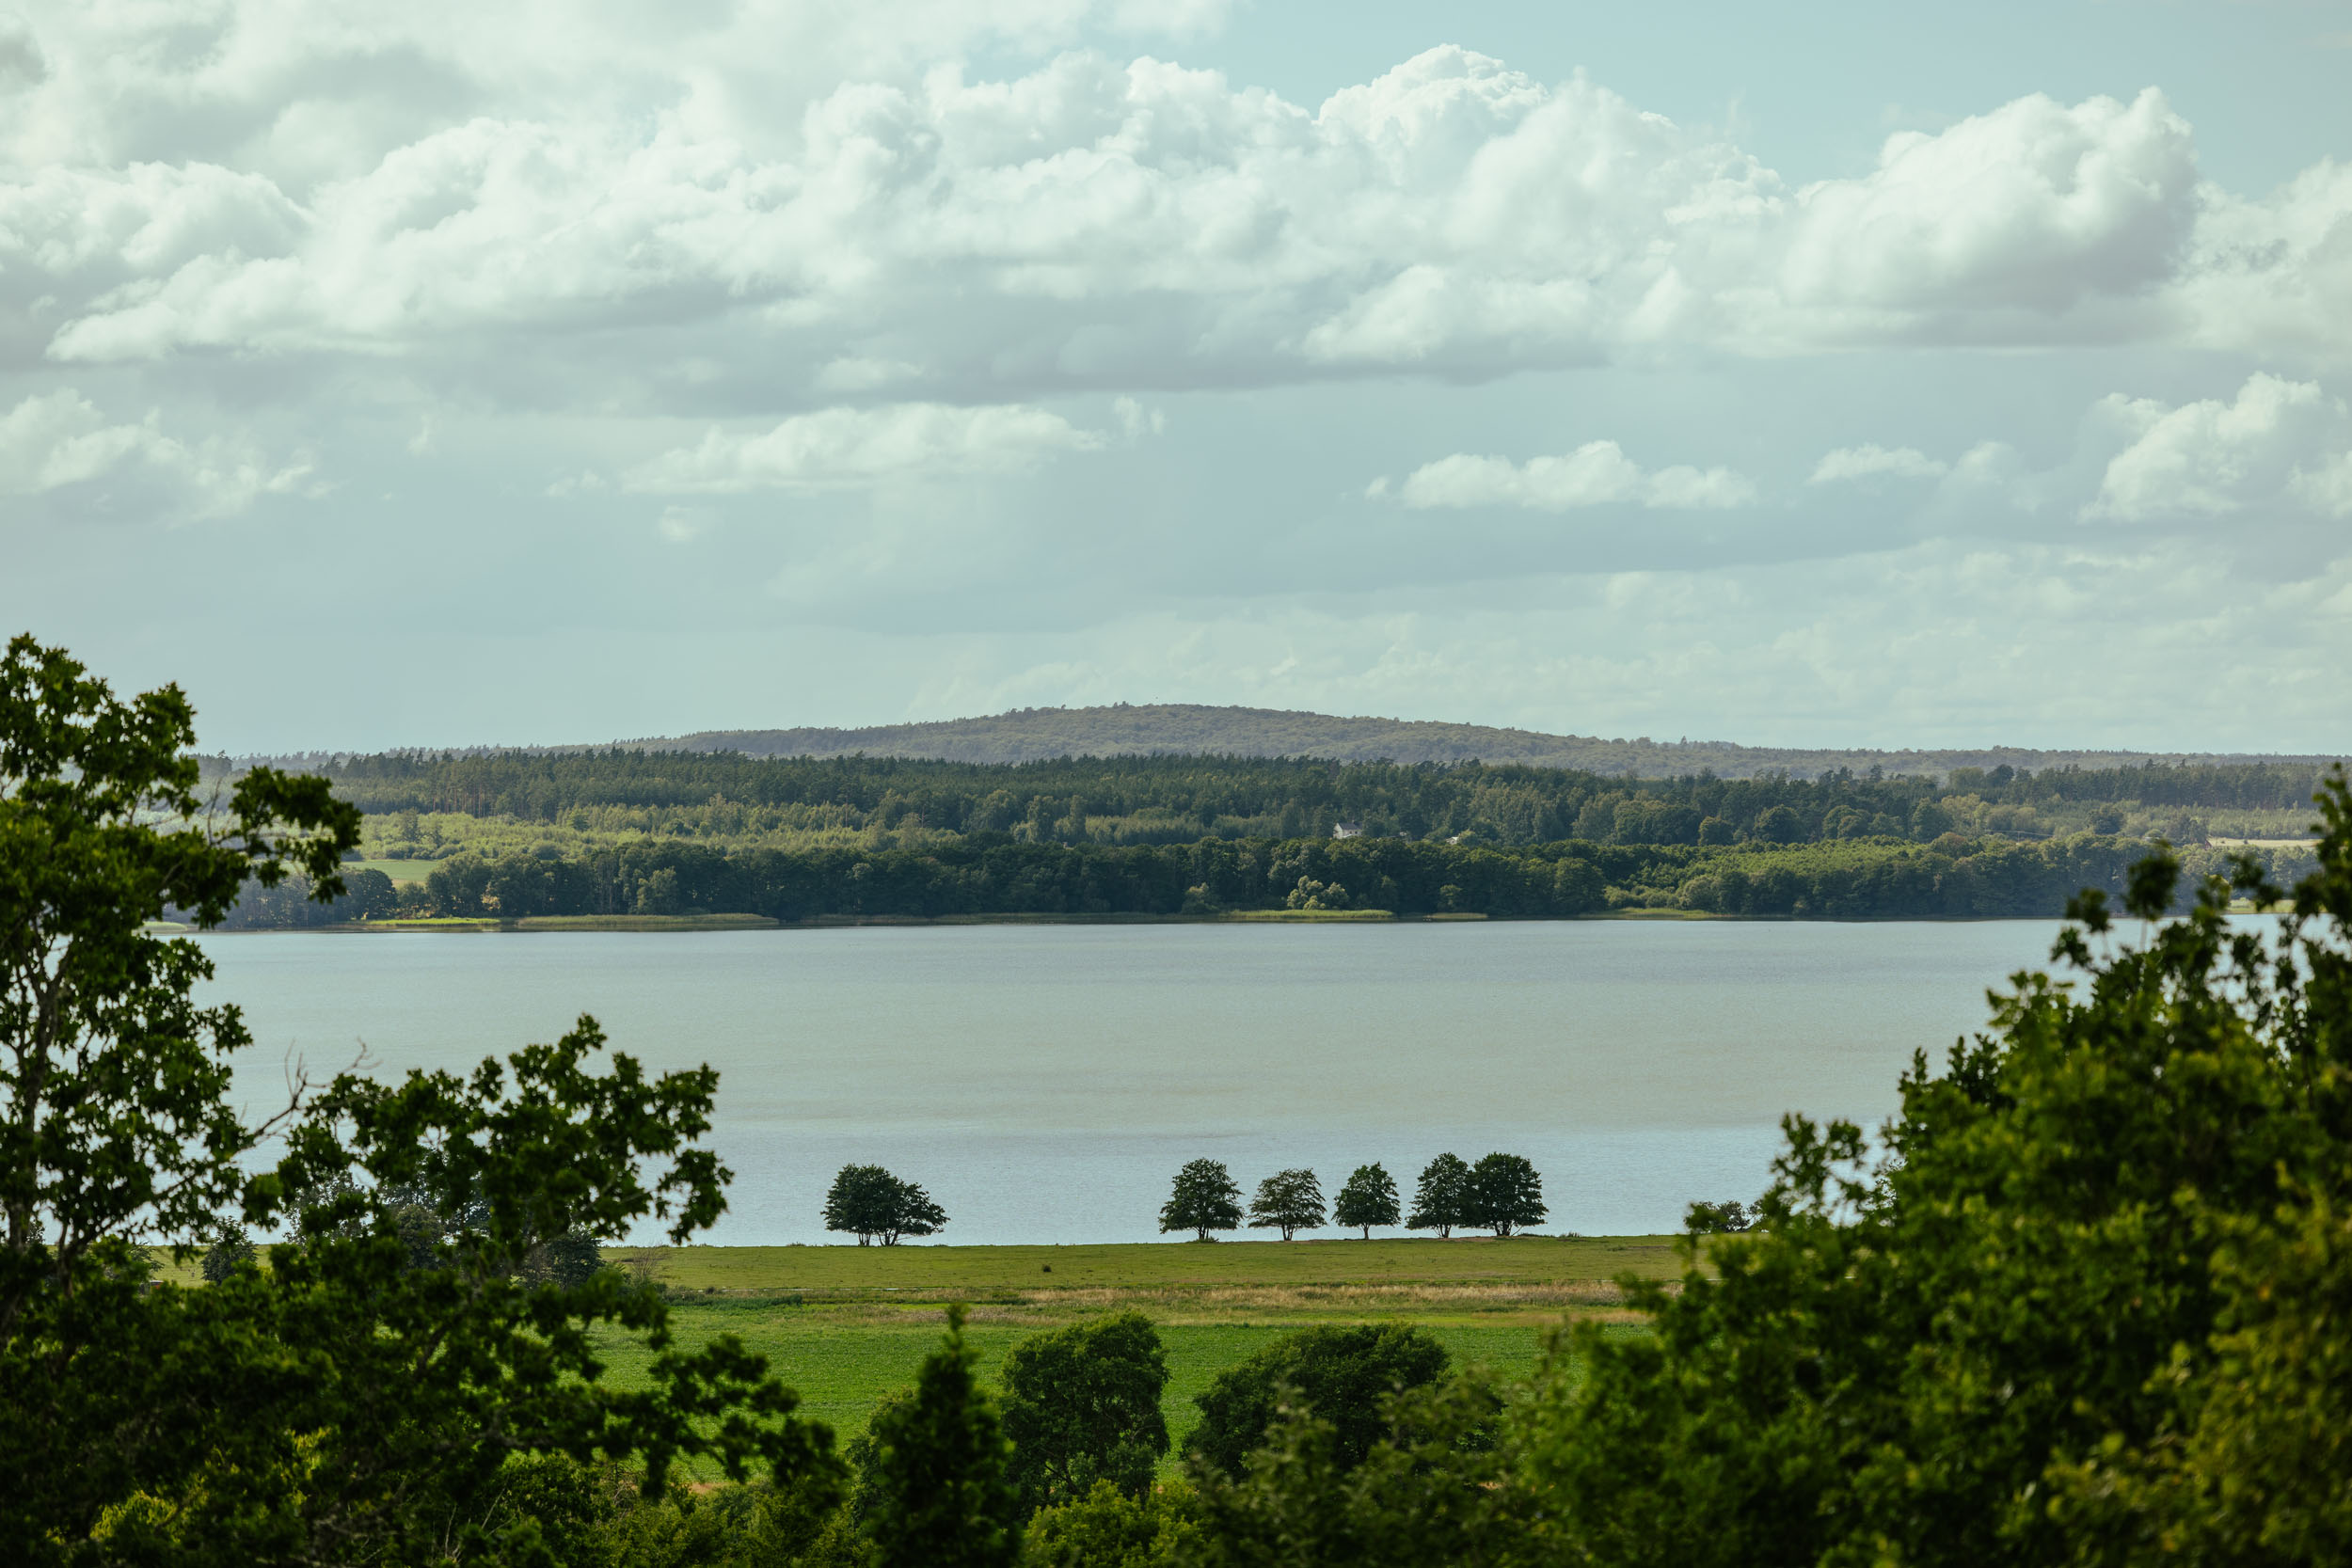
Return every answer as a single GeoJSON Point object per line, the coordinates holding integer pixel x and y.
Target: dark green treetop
{"type": "Point", "coordinates": [1205, 1200]}
{"type": "Point", "coordinates": [1289, 1201]}
{"type": "Point", "coordinates": [1344, 1375]}
{"type": "Point", "coordinates": [1368, 1199]}
{"type": "Point", "coordinates": [1082, 1405]}
{"type": "Point", "coordinates": [1441, 1199]}
{"type": "Point", "coordinates": [359, 1399]}
{"type": "Point", "coordinates": [2081, 1301]}
{"type": "Point", "coordinates": [1718, 1219]}
{"type": "Point", "coordinates": [938, 1487]}
{"type": "Point", "coordinates": [872, 1204]}
{"type": "Point", "coordinates": [1505, 1194]}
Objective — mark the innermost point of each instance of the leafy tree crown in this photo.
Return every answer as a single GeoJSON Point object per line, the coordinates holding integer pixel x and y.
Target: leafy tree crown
{"type": "Point", "coordinates": [1205, 1200]}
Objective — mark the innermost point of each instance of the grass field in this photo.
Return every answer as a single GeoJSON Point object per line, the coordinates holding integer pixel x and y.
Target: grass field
{"type": "Point", "coordinates": [399, 871]}
{"type": "Point", "coordinates": [845, 1325]}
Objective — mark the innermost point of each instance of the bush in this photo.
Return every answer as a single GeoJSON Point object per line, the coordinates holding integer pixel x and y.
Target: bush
{"type": "Point", "coordinates": [1108, 1528]}
{"type": "Point", "coordinates": [1082, 1409]}
{"type": "Point", "coordinates": [1343, 1374]}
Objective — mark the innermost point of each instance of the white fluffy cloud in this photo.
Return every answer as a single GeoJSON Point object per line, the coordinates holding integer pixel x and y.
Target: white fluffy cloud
{"type": "Point", "coordinates": [1084, 223]}
{"type": "Point", "coordinates": [2279, 442]}
{"type": "Point", "coordinates": [58, 440]}
{"type": "Point", "coordinates": [853, 448]}
{"type": "Point", "coordinates": [1597, 473]}
{"type": "Point", "coordinates": [1871, 462]}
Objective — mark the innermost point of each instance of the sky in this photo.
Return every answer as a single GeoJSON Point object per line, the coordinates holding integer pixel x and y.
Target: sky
{"type": "Point", "coordinates": [1827, 374]}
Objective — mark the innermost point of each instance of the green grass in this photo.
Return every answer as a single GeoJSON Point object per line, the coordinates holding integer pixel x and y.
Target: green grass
{"type": "Point", "coordinates": [843, 1370]}
{"type": "Point", "coordinates": [399, 871]}
{"type": "Point", "coordinates": [1476, 1260]}
{"type": "Point", "coordinates": [845, 1325]}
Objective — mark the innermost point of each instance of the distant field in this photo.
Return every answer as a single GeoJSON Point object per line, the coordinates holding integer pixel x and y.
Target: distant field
{"type": "Point", "coordinates": [853, 1271]}
{"type": "Point", "coordinates": [845, 1325]}
{"type": "Point", "coordinates": [399, 871]}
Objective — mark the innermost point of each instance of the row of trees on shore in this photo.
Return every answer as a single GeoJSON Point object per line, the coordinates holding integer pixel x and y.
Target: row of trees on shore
{"type": "Point", "coordinates": [1851, 878]}
{"type": "Point", "coordinates": [1502, 1192]}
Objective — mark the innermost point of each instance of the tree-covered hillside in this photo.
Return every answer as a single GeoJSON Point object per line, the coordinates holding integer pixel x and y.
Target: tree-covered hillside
{"type": "Point", "coordinates": [1032, 735]}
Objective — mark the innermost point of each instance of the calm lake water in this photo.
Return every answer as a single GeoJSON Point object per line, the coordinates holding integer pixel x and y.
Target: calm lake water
{"type": "Point", "coordinates": [1044, 1082]}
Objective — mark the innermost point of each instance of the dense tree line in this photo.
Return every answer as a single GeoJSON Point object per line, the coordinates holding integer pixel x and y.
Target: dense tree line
{"type": "Point", "coordinates": [1162, 800]}
{"type": "Point", "coordinates": [980, 876]}
{"type": "Point", "coordinates": [1502, 1193]}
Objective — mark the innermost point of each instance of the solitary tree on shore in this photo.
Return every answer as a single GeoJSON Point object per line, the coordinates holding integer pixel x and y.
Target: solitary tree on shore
{"type": "Point", "coordinates": [1368, 1199]}
{"type": "Point", "coordinates": [1289, 1201]}
{"type": "Point", "coordinates": [870, 1202]}
{"type": "Point", "coordinates": [1441, 1199]}
{"type": "Point", "coordinates": [1504, 1193]}
{"type": "Point", "coordinates": [1205, 1200]}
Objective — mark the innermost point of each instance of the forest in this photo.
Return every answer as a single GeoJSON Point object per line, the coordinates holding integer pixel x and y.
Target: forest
{"type": "Point", "coordinates": [623, 833]}
{"type": "Point", "coordinates": [991, 874]}
{"type": "Point", "coordinates": [427, 806]}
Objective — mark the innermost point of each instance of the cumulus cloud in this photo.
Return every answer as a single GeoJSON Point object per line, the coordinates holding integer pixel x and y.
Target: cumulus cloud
{"type": "Point", "coordinates": [2034, 207]}
{"type": "Point", "coordinates": [852, 447]}
{"type": "Point", "coordinates": [2278, 441]}
{"type": "Point", "coordinates": [1870, 462]}
{"type": "Point", "coordinates": [1597, 473]}
{"type": "Point", "coordinates": [57, 440]}
{"type": "Point", "coordinates": [1087, 223]}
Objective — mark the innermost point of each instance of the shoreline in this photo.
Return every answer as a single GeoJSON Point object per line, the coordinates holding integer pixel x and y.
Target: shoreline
{"type": "Point", "coordinates": [542, 925]}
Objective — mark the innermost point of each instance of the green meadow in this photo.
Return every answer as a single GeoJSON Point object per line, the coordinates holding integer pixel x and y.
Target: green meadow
{"type": "Point", "coordinates": [845, 1325]}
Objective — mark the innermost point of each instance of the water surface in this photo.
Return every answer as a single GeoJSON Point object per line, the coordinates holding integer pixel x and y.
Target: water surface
{"type": "Point", "coordinates": [1044, 1082]}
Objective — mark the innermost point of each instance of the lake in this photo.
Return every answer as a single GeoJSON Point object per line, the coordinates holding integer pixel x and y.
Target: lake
{"type": "Point", "coordinates": [1043, 1083]}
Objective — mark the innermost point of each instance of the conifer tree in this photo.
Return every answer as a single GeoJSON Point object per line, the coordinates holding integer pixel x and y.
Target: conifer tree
{"type": "Point", "coordinates": [939, 1491]}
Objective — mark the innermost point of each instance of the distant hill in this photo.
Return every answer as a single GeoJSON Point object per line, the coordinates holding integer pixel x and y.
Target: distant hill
{"type": "Point", "coordinates": [1033, 735]}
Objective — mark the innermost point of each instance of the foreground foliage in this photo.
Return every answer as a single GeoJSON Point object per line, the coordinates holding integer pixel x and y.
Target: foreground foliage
{"type": "Point", "coordinates": [362, 1398]}
{"type": "Point", "coordinates": [2082, 1304]}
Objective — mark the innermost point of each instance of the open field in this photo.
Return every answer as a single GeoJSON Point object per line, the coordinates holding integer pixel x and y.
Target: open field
{"type": "Point", "coordinates": [845, 1325]}
{"type": "Point", "coordinates": [1478, 1263]}
{"type": "Point", "coordinates": [399, 871]}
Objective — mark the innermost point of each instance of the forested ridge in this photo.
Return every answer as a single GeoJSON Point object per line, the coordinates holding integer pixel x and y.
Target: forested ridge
{"type": "Point", "coordinates": [1188, 729]}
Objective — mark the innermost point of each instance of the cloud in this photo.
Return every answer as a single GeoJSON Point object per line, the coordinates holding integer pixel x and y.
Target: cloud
{"type": "Point", "coordinates": [2280, 441]}
{"type": "Point", "coordinates": [681, 525]}
{"type": "Point", "coordinates": [1868, 462]}
{"type": "Point", "coordinates": [2035, 207]}
{"type": "Point", "coordinates": [1091, 224]}
{"type": "Point", "coordinates": [2273, 276]}
{"type": "Point", "coordinates": [853, 448]}
{"type": "Point", "coordinates": [57, 440]}
{"type": "Point", "coordinates": [1597, 473]}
